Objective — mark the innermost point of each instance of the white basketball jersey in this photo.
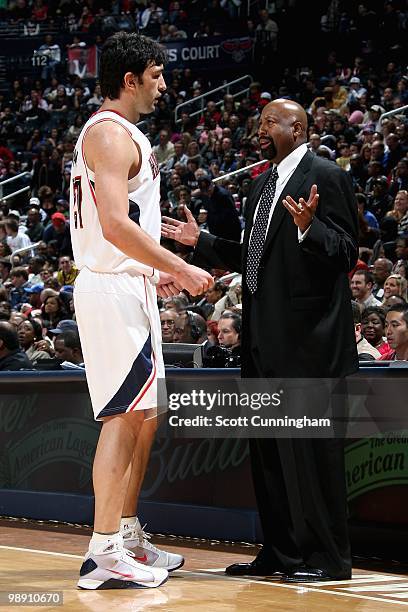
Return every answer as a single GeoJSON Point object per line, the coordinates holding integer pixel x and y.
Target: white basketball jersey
{"type": "Point", "coordinates": [90, 248]}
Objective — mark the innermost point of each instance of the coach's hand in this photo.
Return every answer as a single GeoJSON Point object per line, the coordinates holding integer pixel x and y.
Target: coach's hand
{"type": "Point", "coordinates": [186, 233]}
{"type": "Point", "coordinates": [195, 280]}
{"type": "Point", "coordinates": [303, 212]}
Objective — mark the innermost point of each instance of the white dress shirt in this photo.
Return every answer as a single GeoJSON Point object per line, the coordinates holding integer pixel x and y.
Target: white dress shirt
{"type": "Point", "coordinates": [285, 170]}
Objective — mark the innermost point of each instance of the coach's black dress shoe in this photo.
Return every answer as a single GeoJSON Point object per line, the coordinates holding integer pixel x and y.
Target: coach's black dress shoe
{"type": "Point", "coordinates": [255, 568]}
{"type": "Point", "coordinates": [311, 574]}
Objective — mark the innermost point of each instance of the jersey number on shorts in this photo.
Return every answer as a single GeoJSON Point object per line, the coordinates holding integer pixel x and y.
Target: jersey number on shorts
{"type": "Point", "coordinates": [77, 188]}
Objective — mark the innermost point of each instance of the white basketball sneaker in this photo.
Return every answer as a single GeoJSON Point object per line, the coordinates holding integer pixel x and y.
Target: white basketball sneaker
{"type": "Point", "coordinates": [137, 541]}
{"type": "Point", "coordinates": [109, 565]}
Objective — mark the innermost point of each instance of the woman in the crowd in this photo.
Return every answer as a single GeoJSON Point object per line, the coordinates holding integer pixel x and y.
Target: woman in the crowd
{"type": "Point", "coordinates": [373, 328]}
{"type": "Point", "coordinates": [29, 334]}
{"type": "Point", "coordinates": [53, 311]}
{"type": "Point", "coordinates": [395, 284]}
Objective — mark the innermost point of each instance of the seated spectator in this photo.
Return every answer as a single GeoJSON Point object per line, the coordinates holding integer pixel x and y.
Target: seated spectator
{"type": "Point", "coordinates": [212, 296]}
{"type": "Point", "coordinates": [396, 329]}
{"type": "Point", "coordinates": [379, 202]}
{"type": "Point", "coordinates": [68, 350]}
{"type": "Point", "coordinates": [67, 272]}
{"type": "Point", "coordinates": [35, 228]}
{"type": "Point", "coordinates": [401, 248]}
{"type": "Point", "coordinates": [178, 303]}
{"type": "Point", "coordinates": [366, 352]}
{"type": "Point", "coordinates": [34, 295]}
{"type": "Point", "coordinates": [16, 239]}
{"type": "Point", "coordinates": [381, 270]}
{"type": "Point", "coordinates": [373, 328]}
{"type": "Point", "coordinates": [167, 319]}
{"type": "Point", "coordinates": [29, 334]}
{"type": "Point", "coordinates": [59, 231]}
{"type": "Point", "coordinates": [19, 280]}
{"type": "Point", "coordinates": [63, 326]}
{"type": "Point", "coordinates": [190, 327]}
{"type": "Point", "coordinates": [12, 357]}
{"type": "Point", "coordinates": [5, 267]}
{"type": "Point", "coordinates": [361, 288]}
{"type": "Point", "coordinates": [400, 211]}
{"type": "Point", "coordinates": [53, 311]}
{"type": "Point", "coordinates": [223, 219]}
{"type": "Point", "coordinates": [395, 284]}
{"type": "Point", "coordinates": [5, 310]}
{"type": "Point", "coordinates": [164, 151]}
{"type": "Point", "coordinates": [368, 216]}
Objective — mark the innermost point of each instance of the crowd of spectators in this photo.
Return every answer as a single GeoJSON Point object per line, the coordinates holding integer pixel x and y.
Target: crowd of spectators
{"type": "Point", "coordinates": [41, 117]}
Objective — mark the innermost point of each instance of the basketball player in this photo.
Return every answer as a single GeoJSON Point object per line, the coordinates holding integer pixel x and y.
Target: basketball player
{"type": "Point", "coordinates": [115, 227]}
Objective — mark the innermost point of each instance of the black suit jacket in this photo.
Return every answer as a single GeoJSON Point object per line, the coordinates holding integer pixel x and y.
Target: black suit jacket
{"type": "Point", "coordinates": [300, 319]}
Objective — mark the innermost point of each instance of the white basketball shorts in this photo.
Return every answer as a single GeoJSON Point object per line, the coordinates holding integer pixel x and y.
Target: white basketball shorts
{"type": "Point", "coordinates": [119, 327]}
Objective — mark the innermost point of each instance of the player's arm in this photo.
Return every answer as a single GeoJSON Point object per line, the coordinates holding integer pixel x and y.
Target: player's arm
{"type": "Point", "coordinates": [111, 153]}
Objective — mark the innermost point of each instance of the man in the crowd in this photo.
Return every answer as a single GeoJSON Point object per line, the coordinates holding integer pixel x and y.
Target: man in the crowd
{"type": "Point", "coordinates": [401, 249]}
{"type": "Point", "coordinates": [381, 270]}
{"type": "Point", "coordinates": [59, 230]}
{"type": "Point", "coordinates": [366, 352]}
{"type": "Point", "coordinates": [223, 219]}
{"type": "Point", "coordinates": [190, 327]}
{"type": "Point", "coordinates": [396, 330]}
{"type": "Point", "coordinates": [5, 267]}
{"type": "Point", "coordinates": [361, 287]}
{"type": "Point", "coordinates": [167, 320]}
{"type": "Point", "coordinates": [35, 229]}
{"type": "Point", "coordinates": [35, 265]}
{"type": "Point", "coordinates": [34, 295]}
{"type": "Point", "coordinates": [165, 149]}
{"type": "Point", "coordinates": [229, 334]}
{"type": "Point", "coordinates": [19, 280]}
{"type": "Point", "coordinates": [12, 357]}
{"type": "Point", "coordinates": [68, 349]}
{"type": "Point", "coordinates": [16, 239]}
{"type": "Point", "coordinates": [212, 296]}
{"type": "Point", "coordinates": [379, 200]}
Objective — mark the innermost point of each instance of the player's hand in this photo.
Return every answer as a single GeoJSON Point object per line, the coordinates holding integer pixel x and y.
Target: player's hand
{"type": "Point", "coordinates": [303, 212]}
{"type": "Point", "coordinates": [186, 233]}
{"type": "Point", "coordinates": [195, 280]}
{"type": "Point", "coordinates": [167, 285]}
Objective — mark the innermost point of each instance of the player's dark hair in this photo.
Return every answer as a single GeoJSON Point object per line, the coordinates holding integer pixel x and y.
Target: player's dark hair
{"type": "Point", "coordinates": [126, 52]}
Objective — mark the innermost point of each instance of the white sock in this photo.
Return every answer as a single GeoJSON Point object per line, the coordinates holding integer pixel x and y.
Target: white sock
{"type": "Point", "coordinates": [98, 538]}
{"type": "Point", "coordinates": [127, 522]}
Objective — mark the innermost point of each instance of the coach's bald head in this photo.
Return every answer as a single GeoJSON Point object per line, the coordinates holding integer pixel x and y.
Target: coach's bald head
{"type": "Point", "coordinates": [282, 128]}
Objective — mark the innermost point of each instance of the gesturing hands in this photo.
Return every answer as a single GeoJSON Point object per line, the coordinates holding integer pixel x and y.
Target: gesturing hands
{"type": "Point", "coordinates": [186, 233]}
{"type": "Point", "coordinates": [303, 212]}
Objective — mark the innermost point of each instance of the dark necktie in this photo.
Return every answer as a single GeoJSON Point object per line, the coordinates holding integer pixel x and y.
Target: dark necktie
{"type": "Point", "coordinates": [260, 226]}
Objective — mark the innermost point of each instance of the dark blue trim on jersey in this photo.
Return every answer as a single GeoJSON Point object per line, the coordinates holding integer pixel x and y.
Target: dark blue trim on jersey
{"type": "Point", "coordinates": [135, 380]}
{"type": "Point", "coordinates": [134, 212]}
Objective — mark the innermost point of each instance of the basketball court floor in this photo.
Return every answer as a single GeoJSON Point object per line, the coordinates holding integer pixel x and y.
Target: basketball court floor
{"type": "Point", "coordinates": [37, 557]}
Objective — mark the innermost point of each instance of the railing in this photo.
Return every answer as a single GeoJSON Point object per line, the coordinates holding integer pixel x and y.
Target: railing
{"type": "Point", "coordinates": [11, 180]}
{"type": "Point", "coordinates": [396, 111]}
{"type": "Point", "coordinates": [15, 193]}
{"type": "Point", "coordinates": [200, 99]}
